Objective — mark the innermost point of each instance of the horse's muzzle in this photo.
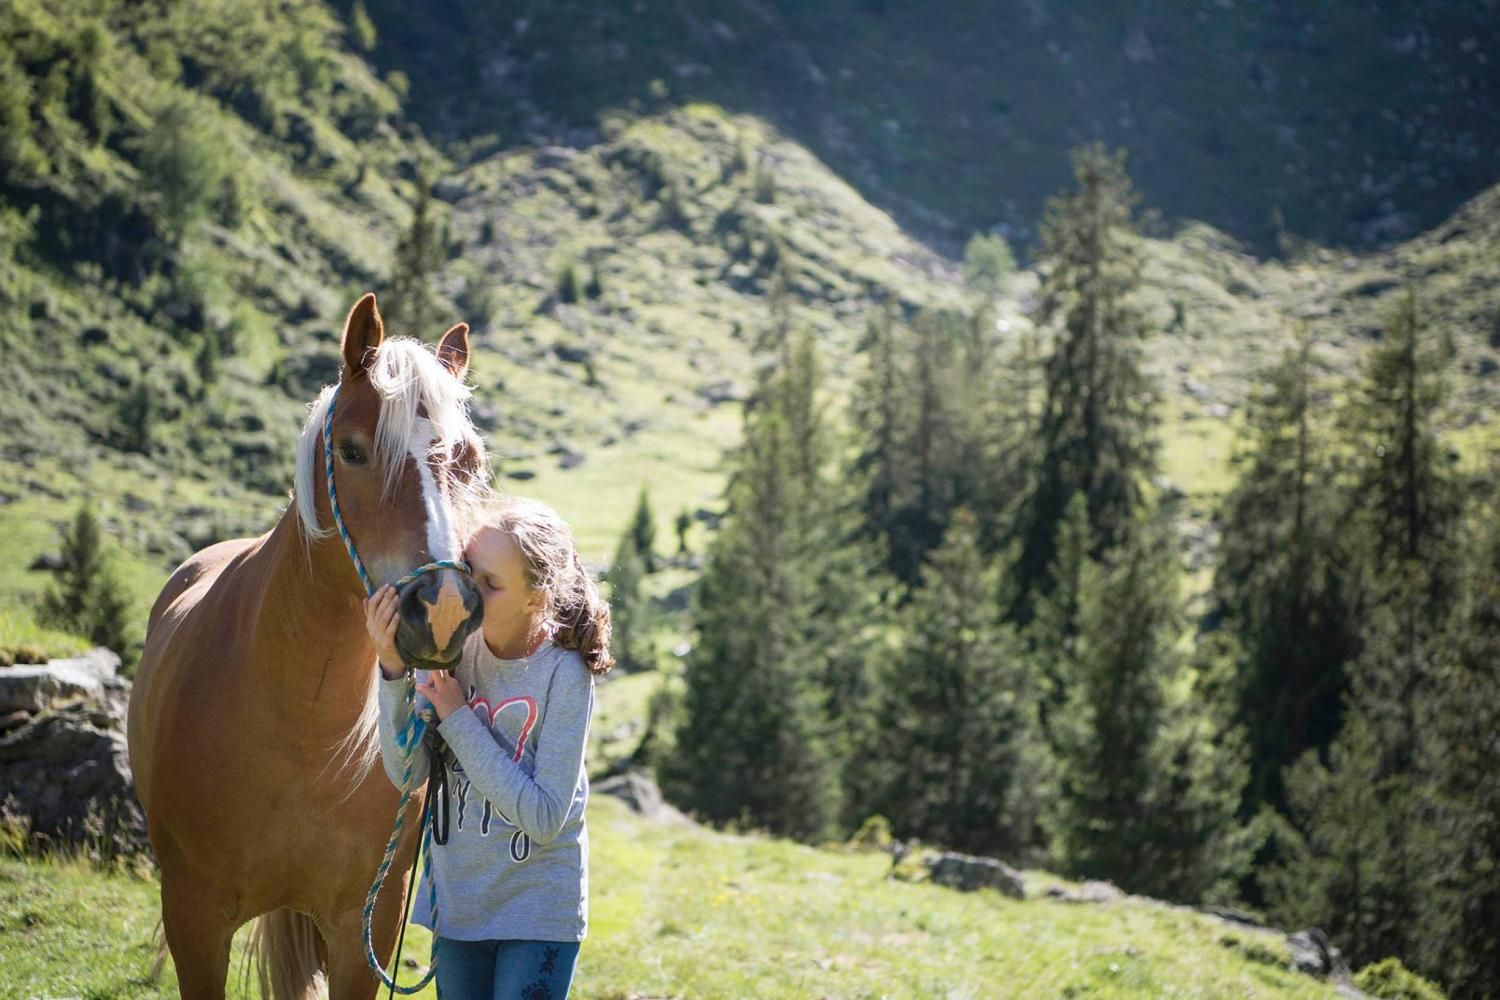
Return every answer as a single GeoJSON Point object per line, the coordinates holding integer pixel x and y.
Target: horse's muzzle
{"type": "Point", "coordinates": [438, 612]}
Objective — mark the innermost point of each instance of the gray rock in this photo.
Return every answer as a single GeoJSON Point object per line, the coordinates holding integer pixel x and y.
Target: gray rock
{"type": "Point", "coordinates": [968, 873]}
{"type": "Point", "coordinates": [65, 773]}
{"type": "Point", "coordinates": [636, 789]}
{"type": "Point", "coordinates": [1315, 955]}
{"type": "Point", "coordinates": [31, 688]}
{"type": "Point", "coordinates": [723, 391]}
{"type": "Point", "coordinates": [1091, 891]}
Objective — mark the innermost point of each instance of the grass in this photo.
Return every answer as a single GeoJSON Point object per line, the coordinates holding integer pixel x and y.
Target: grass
{"type": "Point", "coordinates": [685, 911]}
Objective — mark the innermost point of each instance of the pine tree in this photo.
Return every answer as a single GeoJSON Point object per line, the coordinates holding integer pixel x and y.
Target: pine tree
{"type": "Point", "coordinates": [1459, 761]}
{"type": "Point", "coordinates": [754, 744]}
{"type": "Point", "coordinates": [87, 598]}
{"type": "Point", "coordinates": [683, 525]}
{"type": "Point", "coordinates": [1354, 865]}
{"type": "Point", "coordinates": [1360, 848]}
{"type": "Point", "coordinates": [1404, 500]}
{"type": "Point", "coordinates": [1148, 784]}
{"type": "Point", "coordinates": [1095, 431]}
{"type": "Point", "coordinates": [878, 414]}
{"type": "Point", "coordinates": [628, 606]}
{"type": "Point", "coordinates": [1280, 582]}
{"type": "Point", "coordinates": [958, 742]}
{"type": "Point", "coordinates": [411, 306]}
{"type": "Point", "coordinates": [643, 531]}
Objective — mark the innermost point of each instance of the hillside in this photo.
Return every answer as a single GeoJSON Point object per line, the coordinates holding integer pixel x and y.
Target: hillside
{"type": "Point", "coordinates": [165, 374]}
{"type": "Point", "coordinates": [681, 911]}
{"type": "Point", "coordinates": [1353, 124]}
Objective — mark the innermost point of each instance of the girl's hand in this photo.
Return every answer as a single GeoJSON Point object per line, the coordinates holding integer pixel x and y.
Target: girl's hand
{"type": "Point", "coordinates": [381, 619]}
{"type": "Point", "coordinates": [442, 690]}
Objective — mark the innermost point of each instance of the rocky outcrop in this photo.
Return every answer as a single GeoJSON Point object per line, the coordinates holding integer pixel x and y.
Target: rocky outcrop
{"type": "Point", "coordinates": [64, 766]}
{"type": "Point", "coordinates": [969, 873]}
{"type": "Point", "coordinates": [636, 789]}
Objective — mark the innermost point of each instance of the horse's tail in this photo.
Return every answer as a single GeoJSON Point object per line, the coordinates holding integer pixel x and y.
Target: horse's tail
{"type": "Point", "coordinates": [285, 947]}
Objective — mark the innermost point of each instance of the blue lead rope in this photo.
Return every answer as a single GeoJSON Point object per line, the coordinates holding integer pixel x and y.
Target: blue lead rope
{"type": "Point", "coordinates": [409, 738]}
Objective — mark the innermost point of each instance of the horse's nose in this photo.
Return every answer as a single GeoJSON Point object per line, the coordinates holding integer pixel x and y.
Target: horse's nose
{"type": "Point", "coordinates": [442, 608]}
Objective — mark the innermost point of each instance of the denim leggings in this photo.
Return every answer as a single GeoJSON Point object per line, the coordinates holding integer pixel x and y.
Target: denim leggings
{"type": "Point", "coordinates": [505, 970]}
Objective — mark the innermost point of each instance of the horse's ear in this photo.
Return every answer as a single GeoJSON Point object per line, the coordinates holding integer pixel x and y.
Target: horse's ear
{"type": "Point", "coordinates": [454, 349]}
{"type": "Point", "coordinates": [363, 332]}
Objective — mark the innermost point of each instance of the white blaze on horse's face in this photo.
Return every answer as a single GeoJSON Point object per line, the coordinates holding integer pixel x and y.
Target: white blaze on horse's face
{"type": "Point", "coordinates": [442, 537]}
{"type": "Point", "coordinates": [448, 613]}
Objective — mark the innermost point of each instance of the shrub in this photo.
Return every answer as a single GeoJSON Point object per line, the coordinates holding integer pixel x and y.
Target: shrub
{"type": "Point", "coordinates": [1390, 980]}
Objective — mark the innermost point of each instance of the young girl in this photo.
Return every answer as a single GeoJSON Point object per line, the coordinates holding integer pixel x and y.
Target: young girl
{"type": "Point", "coordinates": [512, 880]}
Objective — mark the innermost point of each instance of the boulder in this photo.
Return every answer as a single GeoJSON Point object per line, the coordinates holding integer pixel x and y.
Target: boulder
{"type": "Point", "coordinates": [969, 872]}
{"type": "Point", "coordinates": [66, 776]}
{"type": "Point", "coordinates": [636, 789]}
{"type": "Point", "coordinates": [1092, 891]}
{"type": "Point", "coordinates": [64, 764]}
{"type": "Point", "coordinates": [32, 688]}
{"type": "Point", "coordinates": [1315, 955]}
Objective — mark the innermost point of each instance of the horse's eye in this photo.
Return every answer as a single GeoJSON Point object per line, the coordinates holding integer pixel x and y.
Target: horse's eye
{"type": "Point", "coordinates": [352, 453]}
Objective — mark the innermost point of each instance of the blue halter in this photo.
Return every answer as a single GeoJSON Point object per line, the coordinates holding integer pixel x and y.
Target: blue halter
{"type": "Point", "coordinates": [407, 737]}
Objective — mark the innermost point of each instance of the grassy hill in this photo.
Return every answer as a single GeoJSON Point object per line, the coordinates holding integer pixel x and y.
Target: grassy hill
{"type": "Point", "coordinates": [161, 348]}
{"type": "Point", "coordinates": [1351, 124]}
{"type": "Point", "coordinates": [680, 911]}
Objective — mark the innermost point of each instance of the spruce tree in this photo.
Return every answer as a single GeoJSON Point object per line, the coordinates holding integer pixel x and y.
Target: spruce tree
{"type": "Point", "coordinates": [1356, 861]}
{"type": "Point", "coordinates": [1360, 846]}
{"type": "Point", "coordinates": [1458, 757]}
{"type": "Point", "coordinates": [1095, 431]}
{"type": "Point", "coordinates": [417, 258]}
{"type": "Point", "coordinates": [754, 744]}
{"type": "Point", "coordinates": [1148, 783]}
{"type": "Point", "coordinates": [958, 742]}
{"type": "Point", "coordinates": [1279, 581]}
{"type": "Point", "coordinates": [628, 606]}
{"type": "Point", "coordinates": [1404, 499]}
{"type": "Point", "coordinates": [643, 532]}
{"type": "Point", "coordinates": [87, 598]}
{"type": "Point", "coordinates": [878, 414]}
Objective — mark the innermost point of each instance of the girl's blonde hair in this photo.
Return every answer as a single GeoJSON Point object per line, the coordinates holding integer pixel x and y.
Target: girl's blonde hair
{"type": "Point", "coordinates": [578, 614]}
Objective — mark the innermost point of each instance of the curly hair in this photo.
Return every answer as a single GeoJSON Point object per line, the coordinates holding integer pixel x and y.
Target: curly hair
{"type": "Point", "coordinates": [578, 616]}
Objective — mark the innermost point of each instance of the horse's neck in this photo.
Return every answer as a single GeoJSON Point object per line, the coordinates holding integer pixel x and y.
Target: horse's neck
{"type": "Point", "coordinates": [311, 655]}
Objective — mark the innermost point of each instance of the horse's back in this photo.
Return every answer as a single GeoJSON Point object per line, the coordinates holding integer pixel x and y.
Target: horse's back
{"type": "Point", "coordinates": [182, 592]}
{"type": "Point", "coordinates": [204, 564]}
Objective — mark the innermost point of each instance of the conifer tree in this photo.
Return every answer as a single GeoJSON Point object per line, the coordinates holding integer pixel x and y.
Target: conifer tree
{"type": "Point", "coordinates": [627, 605]}
{"type": "Point", "coordinates": [1459, 761]}
{"type": "Point", "coordinates": [416, 260]}
{"type": "Point", "coordinates": [1095, 431]}
{"type": "Point", "coordinates": [1280, 581]}
{"type": "Point", "coordinates": [958, 742]}
{"type": "Point", "coordinates": [1360, 847]}
{"type": "Point", "coordinates": [878, 415]}
{"type": "Point", "coordinates": [643, 532]}
{"type": "Point", "coordinates": [1405, 501]}
{"type": "Point", "coordinates": [754, 744]}
{"type": "Point", "coordinates": [1148, 786]}
{"type": "Point", "coordinates": [1356, 863]}
{"type": "Point", "coordinates": [87, 598]}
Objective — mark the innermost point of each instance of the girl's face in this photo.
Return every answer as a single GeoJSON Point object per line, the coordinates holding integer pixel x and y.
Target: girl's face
{"type": "Point", "coordinates": [512, 610]}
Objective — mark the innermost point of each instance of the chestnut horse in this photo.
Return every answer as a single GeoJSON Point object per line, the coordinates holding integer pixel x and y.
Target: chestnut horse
{"type": "Point", "coordinates": [253, 716]}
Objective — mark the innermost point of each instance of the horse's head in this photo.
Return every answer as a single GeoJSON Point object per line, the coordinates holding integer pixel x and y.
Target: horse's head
{"type": "Point", "coordinates": [410, 476]}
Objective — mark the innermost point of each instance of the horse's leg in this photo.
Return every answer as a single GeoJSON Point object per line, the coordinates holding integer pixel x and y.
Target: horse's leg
{"type": "Point", "coordinates": [349, 974]}
{"type": "Point", "coordinates": [199, 923]}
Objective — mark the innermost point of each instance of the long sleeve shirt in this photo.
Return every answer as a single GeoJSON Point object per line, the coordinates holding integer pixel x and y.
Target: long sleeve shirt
{"type": "Point", "coordinates": [516, 862]}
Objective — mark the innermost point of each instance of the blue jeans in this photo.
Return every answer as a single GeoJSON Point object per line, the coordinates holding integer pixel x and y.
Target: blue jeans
{"type": "Point", "coordinates": [505, 970]}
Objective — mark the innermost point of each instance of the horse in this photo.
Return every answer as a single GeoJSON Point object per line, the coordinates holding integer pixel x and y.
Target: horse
{"type": "Point", "coordinates": [252, 725]}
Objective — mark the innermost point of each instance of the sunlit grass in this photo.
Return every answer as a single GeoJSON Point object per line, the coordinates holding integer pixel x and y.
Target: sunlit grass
{"type": "Point", "coordinates": [687, 912]}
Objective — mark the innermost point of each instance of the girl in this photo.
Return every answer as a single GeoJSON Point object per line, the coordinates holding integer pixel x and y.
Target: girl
{"type": "Point", "coordinates": [512, 880]}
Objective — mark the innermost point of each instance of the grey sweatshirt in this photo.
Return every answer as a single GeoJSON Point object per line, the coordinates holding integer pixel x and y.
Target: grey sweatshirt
{"type": "Point", "coordinates": [516, 861]}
